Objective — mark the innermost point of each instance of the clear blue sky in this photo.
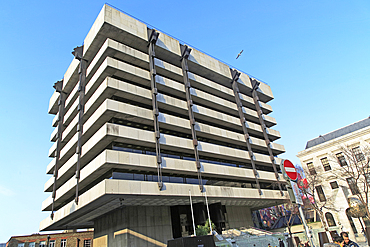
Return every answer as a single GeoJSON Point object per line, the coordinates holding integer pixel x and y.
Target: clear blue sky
{"type": "Point", "coordinates": [315, 55]}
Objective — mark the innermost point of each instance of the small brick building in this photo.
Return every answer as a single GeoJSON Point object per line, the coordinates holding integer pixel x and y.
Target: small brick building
{"type": "Point", "coordinates": [65, 239]}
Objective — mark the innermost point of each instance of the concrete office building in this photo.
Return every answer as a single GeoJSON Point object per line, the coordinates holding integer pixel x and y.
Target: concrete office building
{"type": "Point", "coordinates": [323, 157]}
{"type": "Point", "coordinates": [143, 122]}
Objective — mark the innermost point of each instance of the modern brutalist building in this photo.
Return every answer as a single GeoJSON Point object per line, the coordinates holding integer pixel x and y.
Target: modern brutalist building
{"type": "Point", "coordinates": [141, 123]}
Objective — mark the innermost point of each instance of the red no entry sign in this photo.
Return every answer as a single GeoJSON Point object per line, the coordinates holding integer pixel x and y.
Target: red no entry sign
{"type": "Point", "coordinates": [290, 170]}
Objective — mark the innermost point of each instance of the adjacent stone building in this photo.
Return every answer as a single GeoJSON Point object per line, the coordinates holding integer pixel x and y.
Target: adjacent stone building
{"type": "Point", "coordinates": [143, 122]}
{"type": "Point", "coordinates": [323, 157]}
{"type": "Point", "coordinates": [65, 239]}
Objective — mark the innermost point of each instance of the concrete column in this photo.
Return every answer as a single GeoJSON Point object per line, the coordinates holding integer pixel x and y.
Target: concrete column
{"type": "Point", "coordinates": [239, 216]}
{"type": "Point", "coordinates": [134, 226]}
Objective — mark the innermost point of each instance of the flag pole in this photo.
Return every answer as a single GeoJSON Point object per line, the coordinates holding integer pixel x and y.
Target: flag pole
{"type": "Point", "coordinates": [192, 213]}
{"type": "Point", "coordinates": [209, 218]}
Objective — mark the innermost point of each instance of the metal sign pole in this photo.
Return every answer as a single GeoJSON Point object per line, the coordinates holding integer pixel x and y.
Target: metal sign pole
{"type": "Point", "coordinates": [307, 230]}
{"type": "Point", "coordinates": [192, 213]}
{"type": "Point", "coordinates": [290, 175]}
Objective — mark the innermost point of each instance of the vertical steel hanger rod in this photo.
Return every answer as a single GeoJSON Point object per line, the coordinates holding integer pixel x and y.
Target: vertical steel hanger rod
{"type": "Point", "coordinates": [153, 37]}
{"type": "Point", "coordinates": [185, 52]}
{"type": "Point", "coordinates": [235, 75]}
{"type": "Point", "coordinates": [255, 85]}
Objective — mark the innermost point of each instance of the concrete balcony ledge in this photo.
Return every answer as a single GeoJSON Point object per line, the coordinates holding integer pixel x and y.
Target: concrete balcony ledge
{"type": "Point", "coordinates": [114, 24]}
{"type": "Point", "coordinates": [119, 51]}
{"type": "Point", "coordinates": [165, 102]}
{"type": "Point", "coordinates": [245, 86]}
{"type": "Point", "coordinates": [143, 95]}
{"type": "Point", "coordinates": [109, 133]}
{"type": "Point", "coordinates": [224, 92]}
{"type": "Point", "coordinates": [69, 79]}
{"type": "Point", "coordinates": [71, 113]}
{"type": "Point", "coordinates": [106, 195]}
{"type": "Point", "coordinates": [168, 70]}
{"type": "Point", "coordinates": [209, 67]}
{"type": "Point", "coordinates": [73, 95]}
{"type": "Point", "coordinates": [110, 108]}
{"type": "Point", "coordinates": [107, 88]}
{"type": "Point", "coordinates": [55, 120]}
{"type": "Point", "coordinates": [127, 71]}
{"type": "Point", "coordinates": [127, 54]}
{"type": "Point", "coordinates": [124, 33]}
{"type": "Point", "coordinates": [53, 103]}
{"type": "Point", "coordinates": [176, 88]}
{"type": "Point", "coordinates": [108, 68]}
{"type": "Point", "coordinates": [135, 93]}
{"type": "Point", "coordinates": [50, 167]}
{"type": "Point", "coordinates": [168, 49]}
{"type": "Point", "coordinates": [52, 150]}
{"type": "Point", "coordinates": [248, 102]}
{"type": "Point", "coordinates": [54, 135]}
{"type": "Point", "coordinates": [110, 159]}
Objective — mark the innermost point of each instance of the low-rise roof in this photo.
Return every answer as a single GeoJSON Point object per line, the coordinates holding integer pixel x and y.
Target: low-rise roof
{"type": "Point", "coordinates": [339, 132]}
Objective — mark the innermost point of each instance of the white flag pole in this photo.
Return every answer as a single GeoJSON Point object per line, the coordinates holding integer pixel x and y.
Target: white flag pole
{"type": "Point", "coordinates": [192, 213]}
{"type": "Point", "coordinates": [209, 218]}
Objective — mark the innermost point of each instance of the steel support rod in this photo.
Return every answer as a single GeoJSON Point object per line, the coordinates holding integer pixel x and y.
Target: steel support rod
{"type": "Point", "coordinates": [61, 103]}
{"type": "Point", "coordinates": [235, 75]}
{"type": "Point", "coordinates": [78, 53]}
{"type": "Point", "coordinates": [153, 37]}
{"type": "Point", "coordinates": [255, 85]}
{"type": "Point", "coordinates": [185, 52]}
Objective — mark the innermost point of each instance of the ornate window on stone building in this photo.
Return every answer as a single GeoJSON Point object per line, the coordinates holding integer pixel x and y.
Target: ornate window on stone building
{"type": "Point", "coordinates": [330, 219]}
{"type": "Point", "coordinates": [341, 159]}
{"type": "Point", "coordinates": [358, 154]}
{"type": "Point", "coordinates": [311, 168]}
{"type": "Point", "coordinates": [320, 193]}
{"type": "Point", "coordinates": [367, 176]}
{"type": "Point", "coordinates": [334, 185]}
{"type": "Point", "coordinates": [325, 164]}
{"type": "Point", "coordinates": [353, 226]}
{"type": "Point", "coordinates": [353, 186]}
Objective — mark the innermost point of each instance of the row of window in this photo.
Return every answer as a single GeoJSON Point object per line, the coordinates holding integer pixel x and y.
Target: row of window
{"type": "Point", "coordinates": [63, 243]}
{"type": "Point", "coordinates": [359, 156]}
{"type": "Point", "coordinates": [192, 180]}
{"type": "Point", "coordinates": [334, 185]}
{"type": "Point", "coordinates": [200, 103]}
{"type": "Point", "coordinates": [331, 222]}
{"type": "Point", "coordinates": [176, 155]}
{"type": "Point", "coordinates": [185, 135]}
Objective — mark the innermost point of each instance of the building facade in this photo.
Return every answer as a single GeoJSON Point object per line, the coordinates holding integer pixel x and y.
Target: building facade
{"type": "Point", "coordinates": [65, 239]}
{"type": "Point", "coordinates": [323, 157]}
{"type": "Point", "coordinates": [143, 122]}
